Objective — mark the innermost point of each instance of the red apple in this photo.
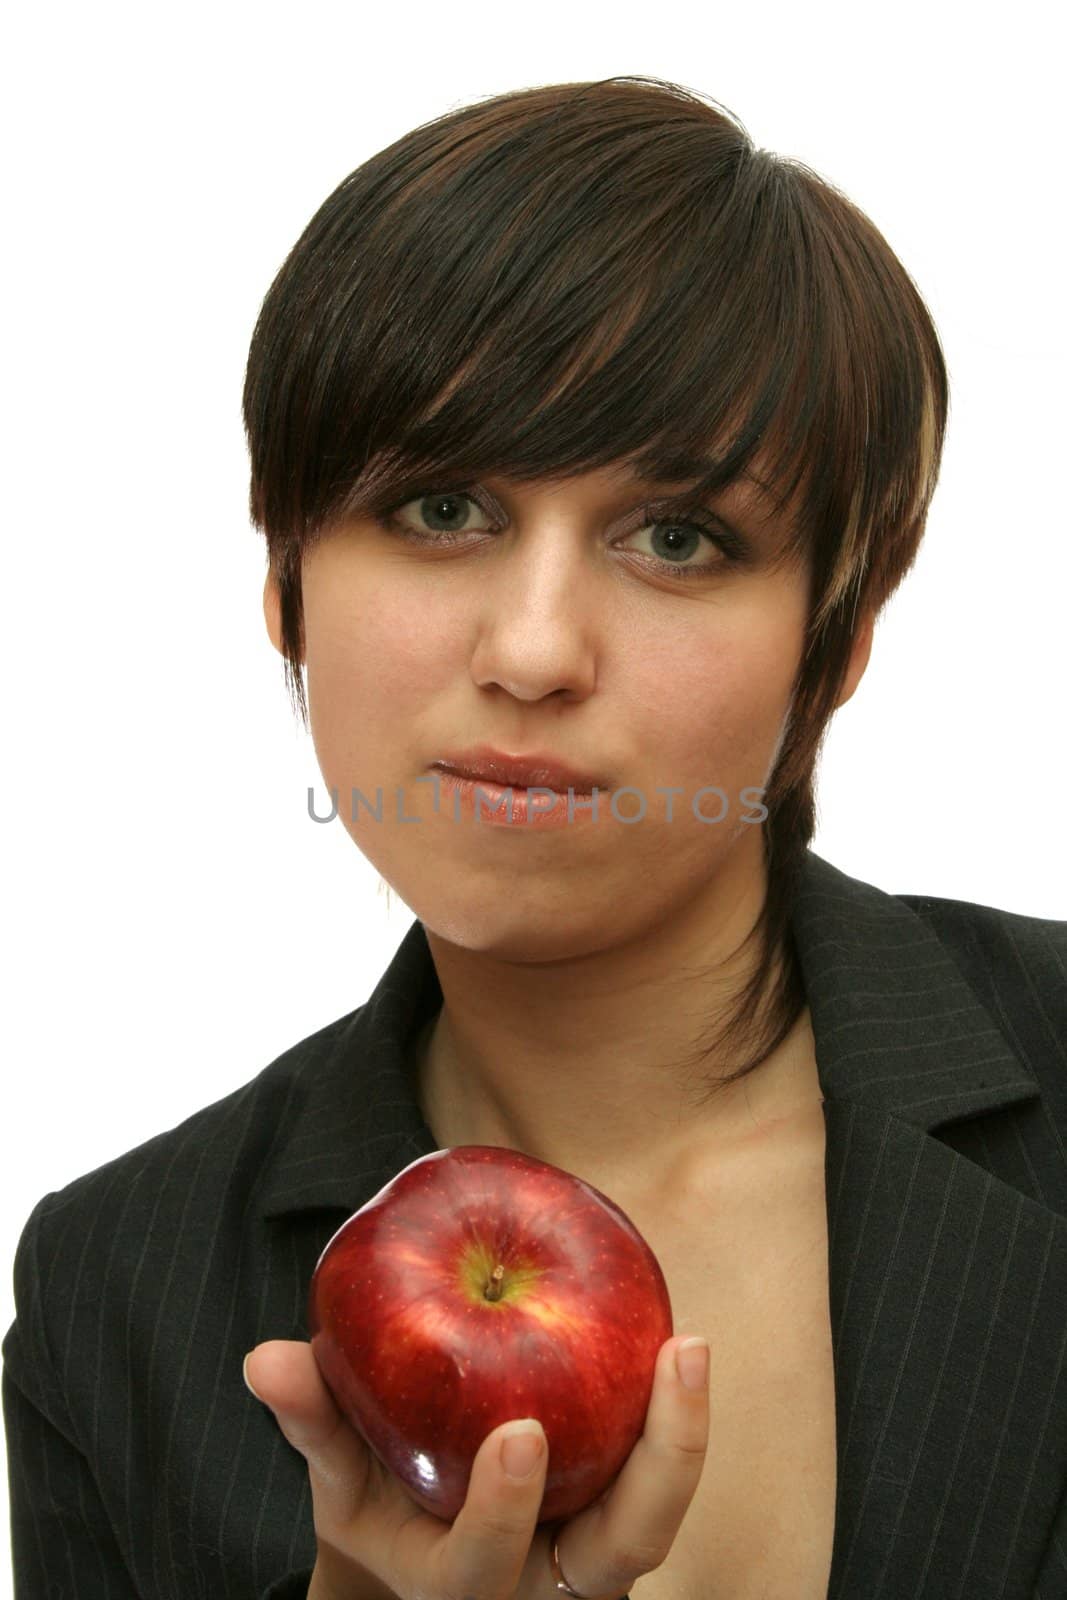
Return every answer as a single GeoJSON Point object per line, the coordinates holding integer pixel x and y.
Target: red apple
{"type": "Point", "coordinates": [480, 1285]}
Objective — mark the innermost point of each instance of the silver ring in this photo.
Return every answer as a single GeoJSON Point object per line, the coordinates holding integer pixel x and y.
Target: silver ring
{"type": "Point", "coordinates": [562, 1586]}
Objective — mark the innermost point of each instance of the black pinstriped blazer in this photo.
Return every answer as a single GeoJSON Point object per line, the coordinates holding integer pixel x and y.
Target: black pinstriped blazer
{"type": "Point", "coordinates": [140, 1465]}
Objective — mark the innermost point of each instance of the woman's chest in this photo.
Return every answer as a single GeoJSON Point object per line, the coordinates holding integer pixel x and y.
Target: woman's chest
{"type": "Point", "coordinates": [753, 1278]}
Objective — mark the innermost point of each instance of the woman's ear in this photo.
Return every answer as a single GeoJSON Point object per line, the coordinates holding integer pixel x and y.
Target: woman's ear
{"type": "Point", "coordinates": [857, 663]}
{"type": "Point", "coordinates": [272, 610]}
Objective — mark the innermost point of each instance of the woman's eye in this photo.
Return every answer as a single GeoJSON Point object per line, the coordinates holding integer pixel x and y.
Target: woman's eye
{"type": "Point", "coordinates": [685, 547]}
{"type": "Point", "coordinates": [442, 514]}
{"type": "Point", "coordinates": [680, 547]}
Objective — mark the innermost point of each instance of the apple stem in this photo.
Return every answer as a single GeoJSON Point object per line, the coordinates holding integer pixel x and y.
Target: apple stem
{"type": "Point", "coordinates": [492, 1288]}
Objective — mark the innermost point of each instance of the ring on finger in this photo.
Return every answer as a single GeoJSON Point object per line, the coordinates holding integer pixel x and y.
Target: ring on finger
{"type": "Point", "coordinates": [562, 1586]}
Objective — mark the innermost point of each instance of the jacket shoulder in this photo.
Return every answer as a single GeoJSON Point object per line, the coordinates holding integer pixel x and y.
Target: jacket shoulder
{"type": "Point", "coordinates": [112, 1230]}
{"type": "Point", "coordinates": [992, 931]}
{"type": "Point", "coordinates": [1017, 966]}
{"type": "Point", "coordinates": [242, 1126]}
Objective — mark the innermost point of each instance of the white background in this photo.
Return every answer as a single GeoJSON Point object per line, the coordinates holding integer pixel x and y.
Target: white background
{"type": "Point", "coordinates": [173, 918]}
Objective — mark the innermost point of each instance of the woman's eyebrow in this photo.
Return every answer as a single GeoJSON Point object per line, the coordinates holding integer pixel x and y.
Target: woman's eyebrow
{"type": "Point", "coordinates": [682, 472]}
{"type": "Point", "coordinates": [678, 489]}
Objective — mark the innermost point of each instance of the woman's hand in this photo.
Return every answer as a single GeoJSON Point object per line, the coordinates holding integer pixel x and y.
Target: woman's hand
{"type": "Point", "coordinates": [374, 1541]}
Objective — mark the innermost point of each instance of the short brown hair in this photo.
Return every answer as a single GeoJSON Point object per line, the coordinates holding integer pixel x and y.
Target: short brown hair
{"type": "Point", "coordinates": [548, 281]}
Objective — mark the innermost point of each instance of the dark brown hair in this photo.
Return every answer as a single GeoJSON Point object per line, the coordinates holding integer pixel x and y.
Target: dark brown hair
{"type": "Point", "coordinates": [554, 280]}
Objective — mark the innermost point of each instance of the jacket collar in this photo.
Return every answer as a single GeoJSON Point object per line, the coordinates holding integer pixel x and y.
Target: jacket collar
{"type": "Point", "coordinates": [897, 1029]}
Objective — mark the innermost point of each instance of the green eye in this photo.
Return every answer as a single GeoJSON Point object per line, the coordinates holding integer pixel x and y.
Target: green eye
{"type": "Point", "coordinates": [708, 528]}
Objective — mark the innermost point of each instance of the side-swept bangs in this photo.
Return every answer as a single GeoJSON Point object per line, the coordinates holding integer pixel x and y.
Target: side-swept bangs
{"type": "Point", "coordinates": [569, 276]}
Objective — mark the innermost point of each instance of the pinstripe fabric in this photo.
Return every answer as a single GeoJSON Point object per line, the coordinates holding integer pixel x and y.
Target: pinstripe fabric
{"type": "Point", "coordinates": [140, 1466]}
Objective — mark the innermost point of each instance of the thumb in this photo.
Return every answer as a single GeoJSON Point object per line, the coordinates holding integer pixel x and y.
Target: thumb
{"type": "Point", "coordinates": [496, 1524]}
{"type": "Point", "coordinates": [284, 1375]}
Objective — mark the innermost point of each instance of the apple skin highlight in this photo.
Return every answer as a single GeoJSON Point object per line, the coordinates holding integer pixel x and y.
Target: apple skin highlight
{"type": "Point", "coordinates": [480, 1285]}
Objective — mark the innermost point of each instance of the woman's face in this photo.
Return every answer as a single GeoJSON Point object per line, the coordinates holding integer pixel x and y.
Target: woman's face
{"type": "Point", "coordinates": [545, 624]}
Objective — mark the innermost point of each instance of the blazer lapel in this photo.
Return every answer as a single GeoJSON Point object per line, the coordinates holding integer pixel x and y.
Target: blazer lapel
{"type": "Point", "coordinates": [947, 1285]}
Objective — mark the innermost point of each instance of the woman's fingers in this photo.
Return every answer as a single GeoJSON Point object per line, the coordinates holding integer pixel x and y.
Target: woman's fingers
{"type": "Point", "coordinates": [486, 1549]}
{"type": "Point", "coordinates": [284, 1375]}
{"type": "Point", "coordinates": [364, 1519]}
{"type": "Point", "coordinates": [605, 1549]}
{"type": "Point", "coordinates": [363, 1515]}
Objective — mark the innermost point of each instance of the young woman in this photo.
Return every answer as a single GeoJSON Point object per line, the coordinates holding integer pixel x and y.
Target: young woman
{"type": "Point", "coordinates": [588, 442]}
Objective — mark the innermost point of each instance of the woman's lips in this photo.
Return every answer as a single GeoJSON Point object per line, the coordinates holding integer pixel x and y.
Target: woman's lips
{"type": "Point", "coordinates": [535, 768]}
{"type": "Point", "coordinates": [510, 805]}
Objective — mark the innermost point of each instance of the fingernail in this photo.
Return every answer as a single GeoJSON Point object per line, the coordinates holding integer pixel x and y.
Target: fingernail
{"type": "Point", "coordinates": [522, 1446]}
{"type": "Point", "coordinates": [244, 1374]}
{"type": "Point", "coordinates": [691, 1360]}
